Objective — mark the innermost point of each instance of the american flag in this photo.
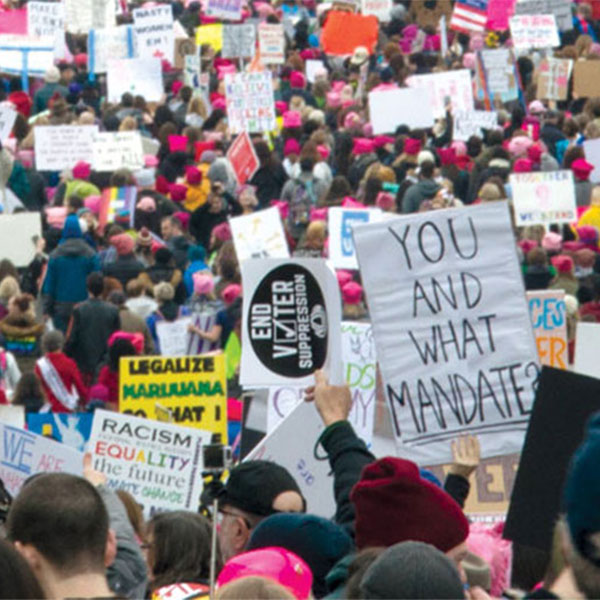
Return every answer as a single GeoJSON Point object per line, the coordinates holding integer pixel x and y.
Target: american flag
{"type": "Point", "coordinates": [469, 16]}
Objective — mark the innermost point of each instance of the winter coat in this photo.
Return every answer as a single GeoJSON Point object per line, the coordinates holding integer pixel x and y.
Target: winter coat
{"type": "Point", "coordinates": [158, 273]}
{"type": "Point", "coordinates": [21, 334]}
{"type": "Point", "coordinates": [416, 193]}
{"type": "Point", "coordinates": [71, 377]}
{"type": "Point", "coordinates": [125, 268]}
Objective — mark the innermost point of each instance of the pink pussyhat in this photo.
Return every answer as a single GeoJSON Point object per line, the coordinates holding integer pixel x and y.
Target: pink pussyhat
{"type": "Point", "coordinates": [318, 214]}
{"type": "Point", "coordinates": [349, 202]}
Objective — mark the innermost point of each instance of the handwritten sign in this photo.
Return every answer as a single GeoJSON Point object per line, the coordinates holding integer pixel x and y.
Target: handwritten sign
{"type": "Point", "coordinates": [271, 42]}
{"type": "Point", "coordinates": [561, 9]}
{"type": "Point", "coordinates": [452, 328]}
{"type": "Point", "coordinates": [549, 319]}
{"type": "Point", "coordinates": [250, 102]}
{"type": "Point", "coordinates": [498, 14]}
{"type": "Point", "coordinates": [110, 43]}
{"type": "Point", "coordinates": [406, 106]}
{"type": "Point", "coordinates": [379, 8]}
{"type": "Point", "coordinates": [136, 76]}
{"type": "Point", "coordinates": [534, 31]}
{"type": "Point", "coordinates": [225, 10]}
{"type": "Point", "coordinates": [192, 387]}
{"type": "Point", "coordinates": [7, 119]}
{"type": "Point", "coordinates": [499, 73]}
{"type": "Point", "coordinates": [259, 235]}
{"type": "Point", "coordinates": [543, 198]}
{"type": "Point", "coordinates": [173, 336]}
{"type": "Point", "coordinates": [159, 464]}
{"type": "Point", "coordinates": [238, 41]}
{"type": "Point", "coordinates": [114, 150]}
{"type": "Point", "coordinates": [83, 15]}
{"type": "Point", "coordinates": [243, 159]}
{"type": "Point", "coordinates": [468, 123]}
{"type": "Point", "coordinates": [47, 19]}
{"type": "Point", "coordinates": [553, 78]}
{"type": "Point", "coordinates": [154, 32]}
{"type": "Point", "coordinates": [62, 146]}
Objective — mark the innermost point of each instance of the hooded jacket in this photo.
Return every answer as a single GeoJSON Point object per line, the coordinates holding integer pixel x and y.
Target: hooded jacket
{"type": "Point", "coordinates": [422, 190]}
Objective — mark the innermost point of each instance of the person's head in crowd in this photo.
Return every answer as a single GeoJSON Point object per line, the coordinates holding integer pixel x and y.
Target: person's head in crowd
{"type": "Point", "coordinates": [170, 227]}
{"type": "Point", "coordinates": [427, 169]}
{"type": "Point", "coordinates": [29, 393]}
{"type": "Point", "coordinates": [119, 348]}
{"type": "Point", "coordinates": [110, 284]}
{"type": "Point", "coordinates": [254, 588]}
{"type": "Point", "coordinates": [9, 287]}
{"type": "Point", "coordinates": [163, 292]}
{"type": "Point", "coordinates": [537, 257]}
{"type": "Point", "coordinates": [356, 569]}
{"type": "Point", "coordinates": [18, 579]}
{"type": "Point", "coordinates": [254, 490]}
{"type": "Point", "coordinates": [59, 524]}
{"type": "Point", "coordinates": [163, 257]}
{"type": "Point", "coordinates": [74, 204]}
{"type": "Point", "coordinates": [8, 268]}
{"type": "Point", "coordinates": [21, 307]}
{"type": "Point", "coordinates": [53, 341]}
{"type": "Point", "coordinates": [95, 284]}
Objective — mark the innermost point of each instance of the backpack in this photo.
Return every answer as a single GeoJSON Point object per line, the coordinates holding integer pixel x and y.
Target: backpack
{"type": "Point", "coordinates": [303, 198]}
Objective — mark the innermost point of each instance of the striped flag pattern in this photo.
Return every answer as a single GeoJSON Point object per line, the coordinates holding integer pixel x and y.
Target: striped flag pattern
{"type": "Point", "coordinates": [469, 16]}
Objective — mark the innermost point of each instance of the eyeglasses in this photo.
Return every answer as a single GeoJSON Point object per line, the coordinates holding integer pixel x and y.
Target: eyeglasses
{"type": "Point", "coordinates": [222, 512]}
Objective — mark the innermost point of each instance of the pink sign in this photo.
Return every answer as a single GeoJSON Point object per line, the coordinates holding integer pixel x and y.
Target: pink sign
{"type": "Point", "coordinates": [498, 13]}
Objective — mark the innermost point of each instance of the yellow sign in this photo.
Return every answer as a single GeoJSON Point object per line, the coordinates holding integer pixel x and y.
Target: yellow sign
{"type": "Point", "coordinates": [210, 34]}
{"type": "Point", "coordinates": [192, 388]}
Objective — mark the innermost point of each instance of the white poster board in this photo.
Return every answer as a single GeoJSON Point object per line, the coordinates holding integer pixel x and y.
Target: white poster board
{"type": "Point", "coordinates": [541, 198]}
{"type": "Point", "coordinates": [47, 19]}
{"type": "Point", "coordinates": [117, 150]}
{"type": "Point", "coordinates": [7, 119]}
{"type": "Point", "coordinates": [534, 31]}
{"type": "Point", "coordinates": [59, 147]}
{"type": "Point", "coordinates": [406, 106]}
{"type": "Point", "coordinates": [271, 43]}
{"type": "Point", "coordinates": [378, 8]}
{"type": "Point", "coordinates": [340, 223]}
{"type": "Point", "coordinates": [83, 15]}
{"type": "Point", "coordinates": [173, 336]}
{"type": "Point", "coordinates": [587, 342]}
{"type": "Point", "coordinates": [592, 155]}
{"type": "Point", "coordinates": [136, 76]}
{"type": "Point", "coordinates": [471, 123]}
{"type": "Point", "coordinates": [239, 41]}
{"type": "Point", "coordinates": [259, 235]}
{"type": "Point", "coordinates": [159, 464]}
{"type": "Point", "coordinates": [452, 329]}
{"type": "Point", "coordinates": [154, 34]}
{"type": "Point", "coordinates": [107, 44]}
{"type": "Point", "coordinates": [26, 54]}
{"type": "Point", "coordinates": [250, 102]}
{"type": "Point", "coordinates": [312, 67]}
{"type": "Point", "coordinates": [291, 322]}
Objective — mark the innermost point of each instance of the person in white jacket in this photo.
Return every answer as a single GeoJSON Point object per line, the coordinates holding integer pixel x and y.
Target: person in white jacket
{"type": "Point", "coordinates": [9, 373]}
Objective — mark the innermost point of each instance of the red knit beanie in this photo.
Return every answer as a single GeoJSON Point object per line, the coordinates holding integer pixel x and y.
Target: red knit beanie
{"type": "Point", "coordinates": [394, 504]}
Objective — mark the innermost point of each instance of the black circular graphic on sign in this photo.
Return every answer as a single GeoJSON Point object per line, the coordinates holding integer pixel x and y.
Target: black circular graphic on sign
{"type": "Point", "coordinates": [287, 322]}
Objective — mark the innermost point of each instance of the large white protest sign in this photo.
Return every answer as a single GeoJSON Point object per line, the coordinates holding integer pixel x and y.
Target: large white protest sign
{"type": "Point", "coordinates": [452, 87]}
{"type": "Point", "coordinates": [340, 222]}
{"type": "Point", "coordinates": [26, 54]}
{"type": "Point", "coordinates": [8, 116]}
{"type": "Point", "coordinates": [154, 34]}
{"type": "Point", "coordinates": [136, 76]}
{"type": "Point", "coordinates": [250, 102]}
{"type": "Point", "coordinates": [23, 454]}
{"type": "Point", "coordinates": [83, 15]}
{"type": "Point", "coordinates": [542, 198]}
{"type": "Point", "coordinates": [280, 404]}
{"type": "Point", "coordinates": [271, 43]}
{"type": "Point", "coordinates": [18, 236]}
{"type": "Point", "coordinates": [379, 8]}
{"type": "Point", "coordinates": [586, 349]}
{"type": "Point", "coordinates": [61, 147]}
{"type": "Point", "coordinates": [47, 19]}
{"type": "Point", "coordinates": [159, 464]}
{"type": "Point", "coordinates": [534, 31]}
{"type": "Point", "coordinates": [561, 9]}
{"type": "Point", "coordinates": [117, 150]}
{"type": "Point", "coordinates": [238, 41]}
{"type": "Point", "coordinates": [173, 336]}
{"type": "Point", "coordinates": [452, 329]}
{"type": "Point", "coordinates": [259, 235]}
{"type": "Point", "coordinates": [107, 44]}
{"type": "Point", "coordinates": [406, 106]}
{"type": "Point", "coordinates": [224, 10]}
{"type": "Point", "coordinates": [291, 322]}
{"type": "Point", "coordinates": [295, 452]}
{"type": "Point", "coordinates": [471, 123]}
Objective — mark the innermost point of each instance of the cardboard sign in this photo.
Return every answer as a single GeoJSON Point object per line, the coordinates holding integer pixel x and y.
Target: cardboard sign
{"type": "Point", "coordinates": [224, 10]}
{"type": "Point", "coordinates": [391, 108]}
{"type": "Point", "coordinates": [340, 223]}
{"type": "Point", "coordinates": [73, 430]}
{"type": "Point", "coordinates": [291, 322]}
{"type": "Point", "coordinates": [114, 150]}
{"type": "Point", "coordinates": [452, 328]}
{"type": "Point", "coordinates": [452, 86]}
{"type": "Point", "coordinates": [116, 200]}
{"type": "Point", "coordinates": [586, 349]}
{"type": "Point", "coordinates": [259, 235]}
{"type": "Point", "coordinates": [7, 120]}
{"type": "Point", "coordinates": [159, 464]}
{"type": "Point", "coordinates": [238, 41]}
{"type": "Point", "coordinates": [211, 34]}
{"type": "Point", "coordinates": [296, 453]}
{"type": "Point", "coordinates": [553, 78]}
{"type": "Point", "coordinates": [136, 76]}
{"type": "Point", "coordinates": [344, 31]}
{"type": "Point", "coordinates": [498, 13]}
{"type": "Point", "coordinates": [471, 123]}
{"type": "Point", "coordinates": [62, 146]}
{"type": "Point", "coordinates": [543, 198]}
{"type": "Point", "coordinates": [561, 9]}
{"type": "Point", "coordinates": [184, 47]}
{"type": "Point", "coordinates": [106, 44]}
{"type": "Point", "coordinates": [154, 33]}
{"type": "Point", "coordinates": [586, 78]}
{"type": "Point", "coordinates": [430, 13]}
{"type": "Point", "coordinates": [271, 43]}
{"type": "Point", "coordinates": [499, 73]}
{"type": "Point", "coordinates": [23, 454]}
{"type": "Point", "coordinates": [173, 336]}
{"type": "Point", "coordinates": [534, 31]}
{"type": "Point", "coordinates": [26, 54]}
{"type": "Point", "coordinates": [83, 15]}
{"type": "Point", "coordinates": [192, 387]}
{"type": "Point", "coordinates": [17, 234]}
{"type": "Point", "coordinates": [378, 8]}
{"type": "Point", "coordinates": [549, 319]}
{"type": "Point", "coordinates": [544, 460]}
{"type": "Point", "coordinates": [250, 102]}
{"type": "Point", "coordinates": [243, 159]}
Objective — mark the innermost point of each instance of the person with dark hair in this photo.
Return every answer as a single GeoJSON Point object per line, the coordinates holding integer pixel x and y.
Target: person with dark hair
{"type": "Point", "coordinates": [29, 394]}
{"type": "Point", "coordinates": [17, 580]}
{"type": "Point", "coordinates": [130, 322]}
{"type": "Point", "coordinates": [92, 323]}
{"type": "Point", "coordinates": [425, 189]}
{"type": "Point", "coordinates": [126, 267]}
{"type": "Point", "coordinates": [109, 374]}
{"type": "Point", "coordinates": [270, 177]}
{"type": "Point", "coordinates": [172, 233]}
{"type": "Point", "coordinates": [164, 270]}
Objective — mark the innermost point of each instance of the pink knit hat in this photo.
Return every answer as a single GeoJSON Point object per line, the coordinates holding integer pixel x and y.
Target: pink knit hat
{"type": "Point", "coordinates": [385, 201]}
{"type": "Point", "coordinates": [184, 218]}
{"type": "Point", "coordinates": [283, 207]}
{"type": "Point", "coordinates": [343, 277]}
{"type": "Point", "coordinates": [203, 283]}
{"type": "Point", "coordinates": [93, 204]}
{"type": "Point", "coordinates": [82, 170]}
{"type": "Point", "coordinates": [552, 242]}
{"type": "Point", "coordinates": [333, 99]}
{"type": "Point", "coordinates": [292, 119]}
{"type": "Point", "coordinates": [231, 292]}
{"type": "Point", "coordinates": [352, 293]}
{"type": "Point", "coordinates": [222, 232]}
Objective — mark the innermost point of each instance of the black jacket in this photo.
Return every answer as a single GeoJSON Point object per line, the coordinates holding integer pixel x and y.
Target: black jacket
{"type": "Point", "coordinates": [125, 268]}
{"type": "Point", "coordinates": [269, 181]}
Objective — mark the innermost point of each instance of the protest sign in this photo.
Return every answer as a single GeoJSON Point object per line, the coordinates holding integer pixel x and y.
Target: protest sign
{"type": "Point", "coordinates": [391, 108]}
{"type": "Point", "coordinates": [243, 159]}
{"type": "Point", "coordinates": [344, 31]}
{"type": "Point", "coordinates": [83, 15]}
{"type": "Point", "coordinates": [238, 41]}
{"type": "Point", "coordinates": [23, 454]}
{"type": "Point", "coordinates": [25, 227]}
{"type": "Point", "coordinates": [154, 33]}
{"type": "Point", "coordinates": [291, 322]}
{"type": "Point", "coordinates": [468, 123]}
{"type": "Point", "coordinates": [340, 223]}
{"type": "Point", "coordinates": [250, 102]}
{"type": "Point", "coordinates": [224, 10]}
{"type": "Point", "coordinates": [499, 74]}
{"type": "Point", "coordinates": [586, 349]}
{"type": "Point", "coordinates": [449, 87]}
{"type": "Point", "coordinates": [63, 146]}
{"type": "Point", "coordinates": [173, 336]}
{"type": "Point", "coordinates": [72, 430]}
{"type": "Point", "coordinates": [197, 344]}
{"type": "Point", "coordinates": [211, 34]}
{"type": "Point", "coordinates": [116, 200]}
{"type": "Point", "coordinates": [543, 198]}
{"type": "Point", "coordinates": [26, 55]}
{"type": "Point", "coordinates": [378, 8]}
{"type": "Point", "coordinates": [271, 43]}
{"type": "Point", "coordinates": [259, 235]}
{"type": "Point", "coordinates": [561, 9]}
{"type": "Point", "coordinates": [586, 78]}
{"type": "Point", "coordinates": [312, 67]}
{"type": "Point", "coordinates": [592, 155]}
{"type": "Point", "coordinates": [280, 404]}
{"type": "Point", "coordinates": [114, 150]}
{"type": "Point", "coordinates": [456, 355]}
{"type": "Point", "coordinates": [295, 452]}
{"type": "Point", "coordinates": [110, 43]}
{"type": "Point", "coordinates": [7, 119]}
{"type": "Point", "coordinates": [137, 76]}
{"type": "Point", "coordinates": [553, 78]}
{"type": "Point", "coordinates": [159, 464]}
{"type": "Point", "coordinates": [534, 31]}
{"type": "Point", "coordinates": [184, 47]}
{"type": "Point", "coordinates": [193, 388]}
{"type": "Point", "coordinates": [549, 319]}
{"type": "Point", "coordinates": [498, 14]}
{"type": "Point", "coordinates": [12, 415]}
{"type": "Point", "coordinates": [47, 19]}
{"type": "Point", "coordinates": [428, 14]}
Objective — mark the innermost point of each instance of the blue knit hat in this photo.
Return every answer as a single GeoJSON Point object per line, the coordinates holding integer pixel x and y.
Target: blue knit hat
{"type": "Point", "coordinates": [71, 228]}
